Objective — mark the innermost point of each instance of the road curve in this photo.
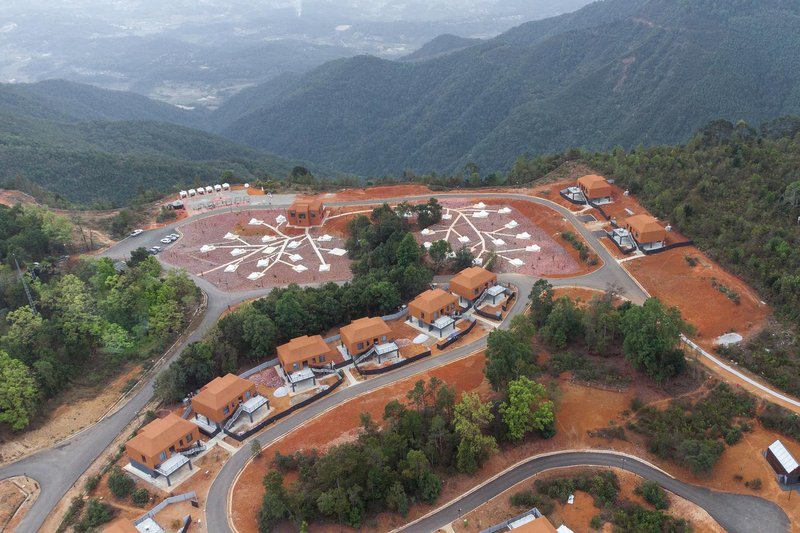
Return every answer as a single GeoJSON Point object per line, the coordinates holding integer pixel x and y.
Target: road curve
{"type": "Point", "coordinates": [736, 513]}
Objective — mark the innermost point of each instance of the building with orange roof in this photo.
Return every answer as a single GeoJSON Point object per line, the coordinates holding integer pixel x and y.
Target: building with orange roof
{"type": "Point", "coordinates": [361, 335]}
{"type": "Point", "coordinates": [303, 352]}
{"type": "Point", "coordinates": [646, 231]}
{"type": "Point", "coordinates": [470, 283]}
{"type": "Point", "coordinates": [156, 449]}
{"type": "Point", "coordinates": [220, 399]}
{"type": "Point", "coordinates": [595, 189]}
{"type": "Point", "coordinates": [306, 211]}
{"type": "Point", "coordinates": [434, 308]}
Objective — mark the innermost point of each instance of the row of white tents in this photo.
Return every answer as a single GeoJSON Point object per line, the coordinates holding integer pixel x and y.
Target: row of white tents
{"type": "Point", "coordinates": [206, 190]}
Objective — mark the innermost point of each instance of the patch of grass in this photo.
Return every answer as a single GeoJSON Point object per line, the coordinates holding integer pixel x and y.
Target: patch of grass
{"type": "Point", "coordinates": [527, 499]}
{"type": "Point", "coordinates": [754, 484]}
{"type": "Point", "coordinates": [780, 419]}
{"type": "Point", "coordinates": [585, 370]}
{"type": "Point", "coordinates": [583, 251]}
{"type": "Point", "coordinates": [692, 434]}
{"type": "Point", "coordinates": [609, 433]}
{"type": "Point", "coordinates": [653, 494]}
{"type": "Point", "coordinates": [691, 260]}
{"type": "Point", "coordinates": [727, 291]}
{"type": "Point", "coordinates": [603, 486]}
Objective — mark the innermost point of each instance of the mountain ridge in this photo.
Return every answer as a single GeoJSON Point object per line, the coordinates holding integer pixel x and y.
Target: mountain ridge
{"type": "Point", "coordinates": [615, 72]}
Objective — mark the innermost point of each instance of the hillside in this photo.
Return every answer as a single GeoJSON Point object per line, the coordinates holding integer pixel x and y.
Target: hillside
{"type": "Point", "coordinates": [618, 72]}
{"type": "Point", "coordinates": [67, 101]}
{"type": "Point", "coordinates": [440, 46]}
{"type": "Point", "coordinates": [88, 144]}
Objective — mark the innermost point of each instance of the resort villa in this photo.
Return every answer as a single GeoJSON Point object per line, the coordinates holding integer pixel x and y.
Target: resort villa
{"type": "Point", "coordinates": [367, 336]}
{"type": "Point", "coordinates": [595, 189]}
{"type": "Point", "coordinates": [434, 309]}
{"type": "Point", "coordinates": [221, 401]}
{"type": "Point", "coordinates": [470, 283]}
{"type": "Point", "coordinates": [306, 212]}
{"type": "Point", "coordinates": [160, 447]}
{"type": "Point", "coordinates": [646, 231]}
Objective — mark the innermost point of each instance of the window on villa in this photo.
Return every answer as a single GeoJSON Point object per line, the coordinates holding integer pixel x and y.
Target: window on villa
{"type": "Point", "coordinates": [422, 316]}
{"type": "Point", "coordinates": [321, 358]}
{"type": "Point", "coordinates": [295, 366]}
{"type": "Point", "coordinates": [383, 338]}
{"type": "Point", "coordinates": [292, 213]}
{"type": "Point", "coordinates": [180, 443]}
{"type": "Point", "coordinates": [313, 215]}
{"type": "Point", "coordinates": [189, 438]}
{"type": "Point", "coordinates": [226, 410]}
{"type": "Point", "coordinates": [163, 456]}
{"type": "Point", "coordinates": [144, 459]}
{"type": "Point", "coordinates": [247, 395]}
{"type": "Point", "coordinates": [302, 215]}
{"type": "Point", "coordinates": [360, 346]}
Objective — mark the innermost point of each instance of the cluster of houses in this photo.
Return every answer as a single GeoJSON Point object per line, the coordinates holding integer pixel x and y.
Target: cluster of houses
{"type": "Point", "coordinates": [167, 444]}
{"type": "Point", "coordinates": [208, 189]}
{"type": "Point", "coordinates": [636, 232]}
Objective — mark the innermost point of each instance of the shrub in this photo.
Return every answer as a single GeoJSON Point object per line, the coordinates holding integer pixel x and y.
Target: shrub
{"type": "Point", "coordinates": [653, 494]}
{"type": "Point", "coordinates": [91, 482]}
{"type": "Point", "coordinates": [119, 483]}
{"type": "Point", "coordinates": [596, 522]}
{"type": "Point", "coordinates": [636, 404]}
{"type": "Point", "coordinates": [140, 497]}
{"type": "Point", "coordinates": [97, 513]}
{"type": "Point", "coordinates": [524, 498]}
{"type": "Point", "coordinates": [754, 484]}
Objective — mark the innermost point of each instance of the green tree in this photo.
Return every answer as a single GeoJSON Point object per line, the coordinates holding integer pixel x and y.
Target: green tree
{"type": "Point", "coordinates": [438, 253]}
{"type": "Point", "coordinates": [463, 259]}
{"type": "Point", "coordinates": [408, 252]}
{"type": "Point", "coordinates": [508, 356]}
{"type": "Point", "coordinates": [397, 500]}
{"type": "Point", "coordinates": [470, 418]}
{"type": "Point", "coordinates": [653, 494]}
{"type": "Point", "coordinates": [18, 393]}
{"type": "Point", "coordinates": [274, 504]}
{"type": "Point", "coordinates": [601, 324]}
{"type": "Point", "coordinates": [120, 484]}
{"type": "Point", "coordinates": [652, 333]}
{"type": "Point", "coordinates": [541, 299]}
{"type": "Point", "coordinates": [563, 324]}
{"type": "Point", "coordinates": [526, 409]}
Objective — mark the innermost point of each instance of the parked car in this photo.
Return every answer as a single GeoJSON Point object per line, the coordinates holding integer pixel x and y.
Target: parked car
{"type": "Point", "coordinates": [152, 251]}
{"type": "Point", "coordinates": [137, 232]}
{"type": "Point", "coordinates": [157, 248]}
{"type": "Point", "coordinates": [173, 237]}
{"type": "Point", "coordinates": [166, 240]}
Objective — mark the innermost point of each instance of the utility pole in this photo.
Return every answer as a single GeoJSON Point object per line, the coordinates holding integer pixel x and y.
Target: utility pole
{"type": "Point", "coordinates": [25, 285]}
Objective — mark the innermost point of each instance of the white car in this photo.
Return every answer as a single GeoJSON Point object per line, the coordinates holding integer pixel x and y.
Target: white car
{"type": "Point", "coordinates": [137, 232]}
{"type": "Point", "coordinates": [174, 236]}
{"type": "Point", "coordinates": [166, 240]}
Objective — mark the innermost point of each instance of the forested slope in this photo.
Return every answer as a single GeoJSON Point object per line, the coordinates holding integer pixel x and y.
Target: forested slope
{"type": "Point", "coordinates": [619, 72]}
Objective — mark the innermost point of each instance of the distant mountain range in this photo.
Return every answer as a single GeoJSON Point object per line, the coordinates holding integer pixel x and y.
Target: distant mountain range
{"type": "Point", "coordinates": [87, 144]}
{"type": "Point", "coordinates": [617, 72]}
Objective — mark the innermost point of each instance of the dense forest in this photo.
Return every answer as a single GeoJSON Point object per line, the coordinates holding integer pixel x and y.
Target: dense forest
{"type": "Point", "coordinates": [88, 144]}
{"type": "Point", "coordinates": [388, 270]}
{"type": "Point", "coordinates": [735, 190]}
{"type": "Point", "coordinates": [401, 461]}
{"type": "Point", "coordinates": [89, 317]}
{"type": "Point", "coordinates": [619, 72]}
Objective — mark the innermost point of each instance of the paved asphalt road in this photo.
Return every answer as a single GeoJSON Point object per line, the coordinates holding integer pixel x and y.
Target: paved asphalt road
{"type": "Point", "coordinates": [737, 513]}
{"type": "Point", "coordinates": [58, 468]}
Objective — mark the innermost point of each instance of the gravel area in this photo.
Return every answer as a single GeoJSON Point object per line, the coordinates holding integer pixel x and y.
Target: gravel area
{"type": "Point", "coordinates": [235, 254]}
{"type": "Point", "coordinates": [521, 246]}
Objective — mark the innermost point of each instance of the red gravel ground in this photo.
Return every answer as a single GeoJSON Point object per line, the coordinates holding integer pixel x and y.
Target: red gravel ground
{"type": "Point", "coordinates": [552, 259]}
{"type": "Point", "coordinates": [210, 231]}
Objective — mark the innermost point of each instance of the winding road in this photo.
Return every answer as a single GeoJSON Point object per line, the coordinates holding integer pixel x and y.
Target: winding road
{"type": "Point", "coordinates": [58, 468]}
{"type": "Point", "coordinates": [737, 513]}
